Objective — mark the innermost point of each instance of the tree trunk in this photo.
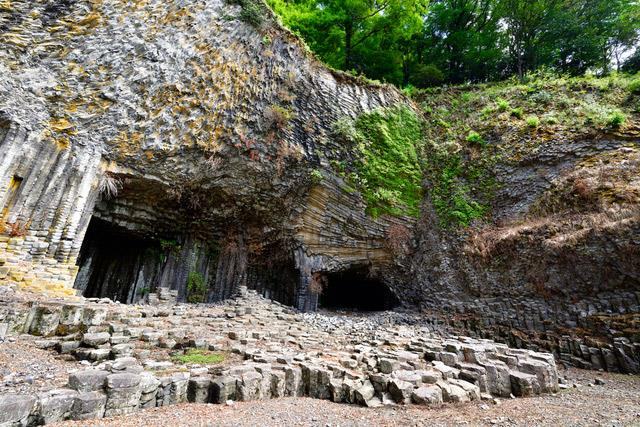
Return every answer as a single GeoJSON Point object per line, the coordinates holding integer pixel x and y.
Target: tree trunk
{"type": "Point", "coordinates": [348, 41]}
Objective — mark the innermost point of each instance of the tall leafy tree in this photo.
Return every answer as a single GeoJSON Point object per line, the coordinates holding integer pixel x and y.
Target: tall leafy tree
{"type": "Point", "coordinates": [525, 23]}
{"type": "Point", "coordinates": [360, 35]}
{"type": "Point", "coordinates": [461, 38]}
{"type": "Point", "coordinates": [454, 41]}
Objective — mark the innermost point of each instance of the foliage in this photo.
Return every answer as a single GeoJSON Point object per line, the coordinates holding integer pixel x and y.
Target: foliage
{"type": "Point", "coordinates": [453, 41]}
{"type": "Point", "coordinates": [533, 121]}
{"type": "Point", "coordinates": [616, 119]}
{"type": "Point", "coordinates": [368, 37]}
{"type": "Point", "coordinates": [632, 64]}
{"type": "Point", "coordinates": [388, 171]}
{"type": "Point", "coordinates": [634, 86]}
{"type": "Point", "coordinates": [475, 138]}
{"type": "Point", "coordinates": [316, 176]}
{"type": "Point", "coordinates": [503, 104]}
{"type": "Point", "coordinates": [424, 76]}
{"type": "Point", "coordinates": [460, 173]}
{"type": "Point", "coordinates": [172, 246]}
{"type": "Point", "coordinates": [517, 112]}
{"type": "Point", "coordinates": [252, 12]}
{"type": "Point", "coordinates": [452, 183]}
{"type": "Point", "coordinates": [278, 117]}
{"type": "Point", "coordinates": [196, 287]}
{"type": "Point", "coordinates": [200, 357]}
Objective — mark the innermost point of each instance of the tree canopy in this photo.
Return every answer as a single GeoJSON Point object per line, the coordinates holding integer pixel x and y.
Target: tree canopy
{"type": "Point", "coordinates": [426, 43]}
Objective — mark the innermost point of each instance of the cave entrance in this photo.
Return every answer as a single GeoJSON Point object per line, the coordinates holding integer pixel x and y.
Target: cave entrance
{"type": "Point", "coordinates": [116, 263]}
{"type": "Point", "coordinates": [355, 290]}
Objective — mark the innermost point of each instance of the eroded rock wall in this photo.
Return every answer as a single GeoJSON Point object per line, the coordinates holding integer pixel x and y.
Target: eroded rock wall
{"type": "Point", "coordinates": [176, 122]}
{"type": "Point", "coordinates": [559, 268]}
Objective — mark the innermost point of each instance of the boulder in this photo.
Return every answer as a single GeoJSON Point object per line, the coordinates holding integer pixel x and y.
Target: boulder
{"type": "Point", "coordinates": [427, 395]}
{"type": "Point", "coordinates": [88, 380]}
{"type": "Point", "coordinates": [55, 405]}
{"type": "Point", "coordinates": [199, 390]}
{"type": "Point", "coordinates": [88, 405]}
{"type": "Point", "coordinates": [15, 409]}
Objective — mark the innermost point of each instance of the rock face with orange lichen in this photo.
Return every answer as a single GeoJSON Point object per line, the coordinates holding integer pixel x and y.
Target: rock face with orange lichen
{"type": "Point", "coordinates": [158, 144]}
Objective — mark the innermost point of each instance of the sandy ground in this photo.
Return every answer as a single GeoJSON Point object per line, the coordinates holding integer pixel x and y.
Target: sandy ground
{"type": "Point", "coordinates": [615, 403]}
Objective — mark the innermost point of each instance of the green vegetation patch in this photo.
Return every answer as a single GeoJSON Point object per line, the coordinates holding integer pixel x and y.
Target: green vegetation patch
{"type": "Point", "coordinates": [196, 287]}
{"type": "Point", "coordinates": [387, 171]}
{"type": "Point", "coordinates": [253, 12]}
{"type": "Point", "coordinates": [200, 357]}
{"type": "Point", "coordinates": [461, 188]}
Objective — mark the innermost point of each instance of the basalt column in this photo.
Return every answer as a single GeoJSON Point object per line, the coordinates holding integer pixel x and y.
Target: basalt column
{"type": "Point", "coordinates": [47, 193]}
{"type": "Point", "coordinates": [232, 267]}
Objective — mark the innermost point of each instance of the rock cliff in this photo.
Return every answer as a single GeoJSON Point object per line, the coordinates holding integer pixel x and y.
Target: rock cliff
{"type": "Point", "coordinates": [193, 141]}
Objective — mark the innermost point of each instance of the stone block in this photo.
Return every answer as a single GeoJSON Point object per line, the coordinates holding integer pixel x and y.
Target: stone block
{"type": "Point", "coordinates": [364, 393]}
{"type": "Point", "coordinates": [93, 316]}
{"type": "Point", "coordinates": [249, 386]}
{"type": "Point", "coordinates": [472, 390]}
{"type": "Point", "coordinates": [199, 390]}
{"type": "Point", "coordinates": [70, 319]}
{"type": "Point", "coordinates": [88, 380]}
{"type": "Point", "coordinates": [55, 405]}
{"type": "Point", "coordinates": [88, 405]}
{"type": "Point", "coordinates": [43, 320]}
{"type": "Point", "coordinates": [95, 339]}
{"type": "Point", "coordinates": [336, 390]}
{"type": "Point", "coordinates": [224, 388]}
{"type": "Point", "coordinates": [67, 347]}
{"type": "Point", "coordinates": [15, 409]}
{"type": "Point", "coordinates": [123, 393]}
{"type": "Point", "coordinates": [546, 375]}
{"type": "Point", "coordinates": [387, 366]}
{"type": "Point", "coordinates": [400, 390]}
{"type": "Point", "coordinates": [293, 381]}
{"type": "Point", "coordinates": [427, 395]}
{"type": "Point", "coordinates": [522, 384]}
{"type": "Point", "coordinates": [278, 384]}
{"type": "Point", "coordinates": [178, 388]}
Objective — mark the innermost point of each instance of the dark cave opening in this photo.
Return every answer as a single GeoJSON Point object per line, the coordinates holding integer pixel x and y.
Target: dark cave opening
{"type": "Point", "coordinates": [115, 263]}
{"type": "Point", "coordinates": [354, 289]}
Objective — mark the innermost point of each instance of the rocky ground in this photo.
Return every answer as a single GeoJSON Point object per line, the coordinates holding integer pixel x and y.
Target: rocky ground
{"type": "Point", "coordinates": [614, 403]}
{"type": "Point", "coordinates": [273, 360]}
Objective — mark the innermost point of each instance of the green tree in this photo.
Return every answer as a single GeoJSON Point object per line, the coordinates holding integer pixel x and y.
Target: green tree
{"type": "Point", "coordinates": [360, 35]}
{"type": "Point", "coordinates": [461, 39]}
{"type": "Point", "coordinates": [526, 26]}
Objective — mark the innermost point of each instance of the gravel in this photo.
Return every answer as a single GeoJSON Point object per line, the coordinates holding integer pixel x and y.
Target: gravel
{"type": "Point", "coordinates": [617, 402]}
{"type": "Point", "coordinates": [27, 369]}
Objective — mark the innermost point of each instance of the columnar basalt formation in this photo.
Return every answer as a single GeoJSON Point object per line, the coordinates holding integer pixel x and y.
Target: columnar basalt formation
{"type": "Point", "coordinates": [270, 350]}
{"type": "Point", "coordinates": [153, 150]}
{"type": "Point", "coordinates": [187, 133]}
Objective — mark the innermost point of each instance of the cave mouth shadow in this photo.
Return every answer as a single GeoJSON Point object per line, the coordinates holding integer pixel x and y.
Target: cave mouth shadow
{"type": "Point", "coordinates": [111, 260]}
{"type": "Point", "coordinates": [355, 290]}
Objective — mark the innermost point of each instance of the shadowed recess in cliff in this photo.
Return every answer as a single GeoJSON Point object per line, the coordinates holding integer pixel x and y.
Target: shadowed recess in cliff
{"type": "Point", "coordinates": [354, 289]}
{"type": "Point", "coordinates": [117, 264]}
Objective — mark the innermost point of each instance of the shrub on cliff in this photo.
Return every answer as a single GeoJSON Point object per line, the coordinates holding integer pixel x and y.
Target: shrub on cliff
{"type": "Point", "coordinates": [387, 171]}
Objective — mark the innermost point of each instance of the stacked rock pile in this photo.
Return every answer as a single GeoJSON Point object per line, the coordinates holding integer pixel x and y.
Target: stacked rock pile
{"type": "Point", "coordinates": [272, 351]}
